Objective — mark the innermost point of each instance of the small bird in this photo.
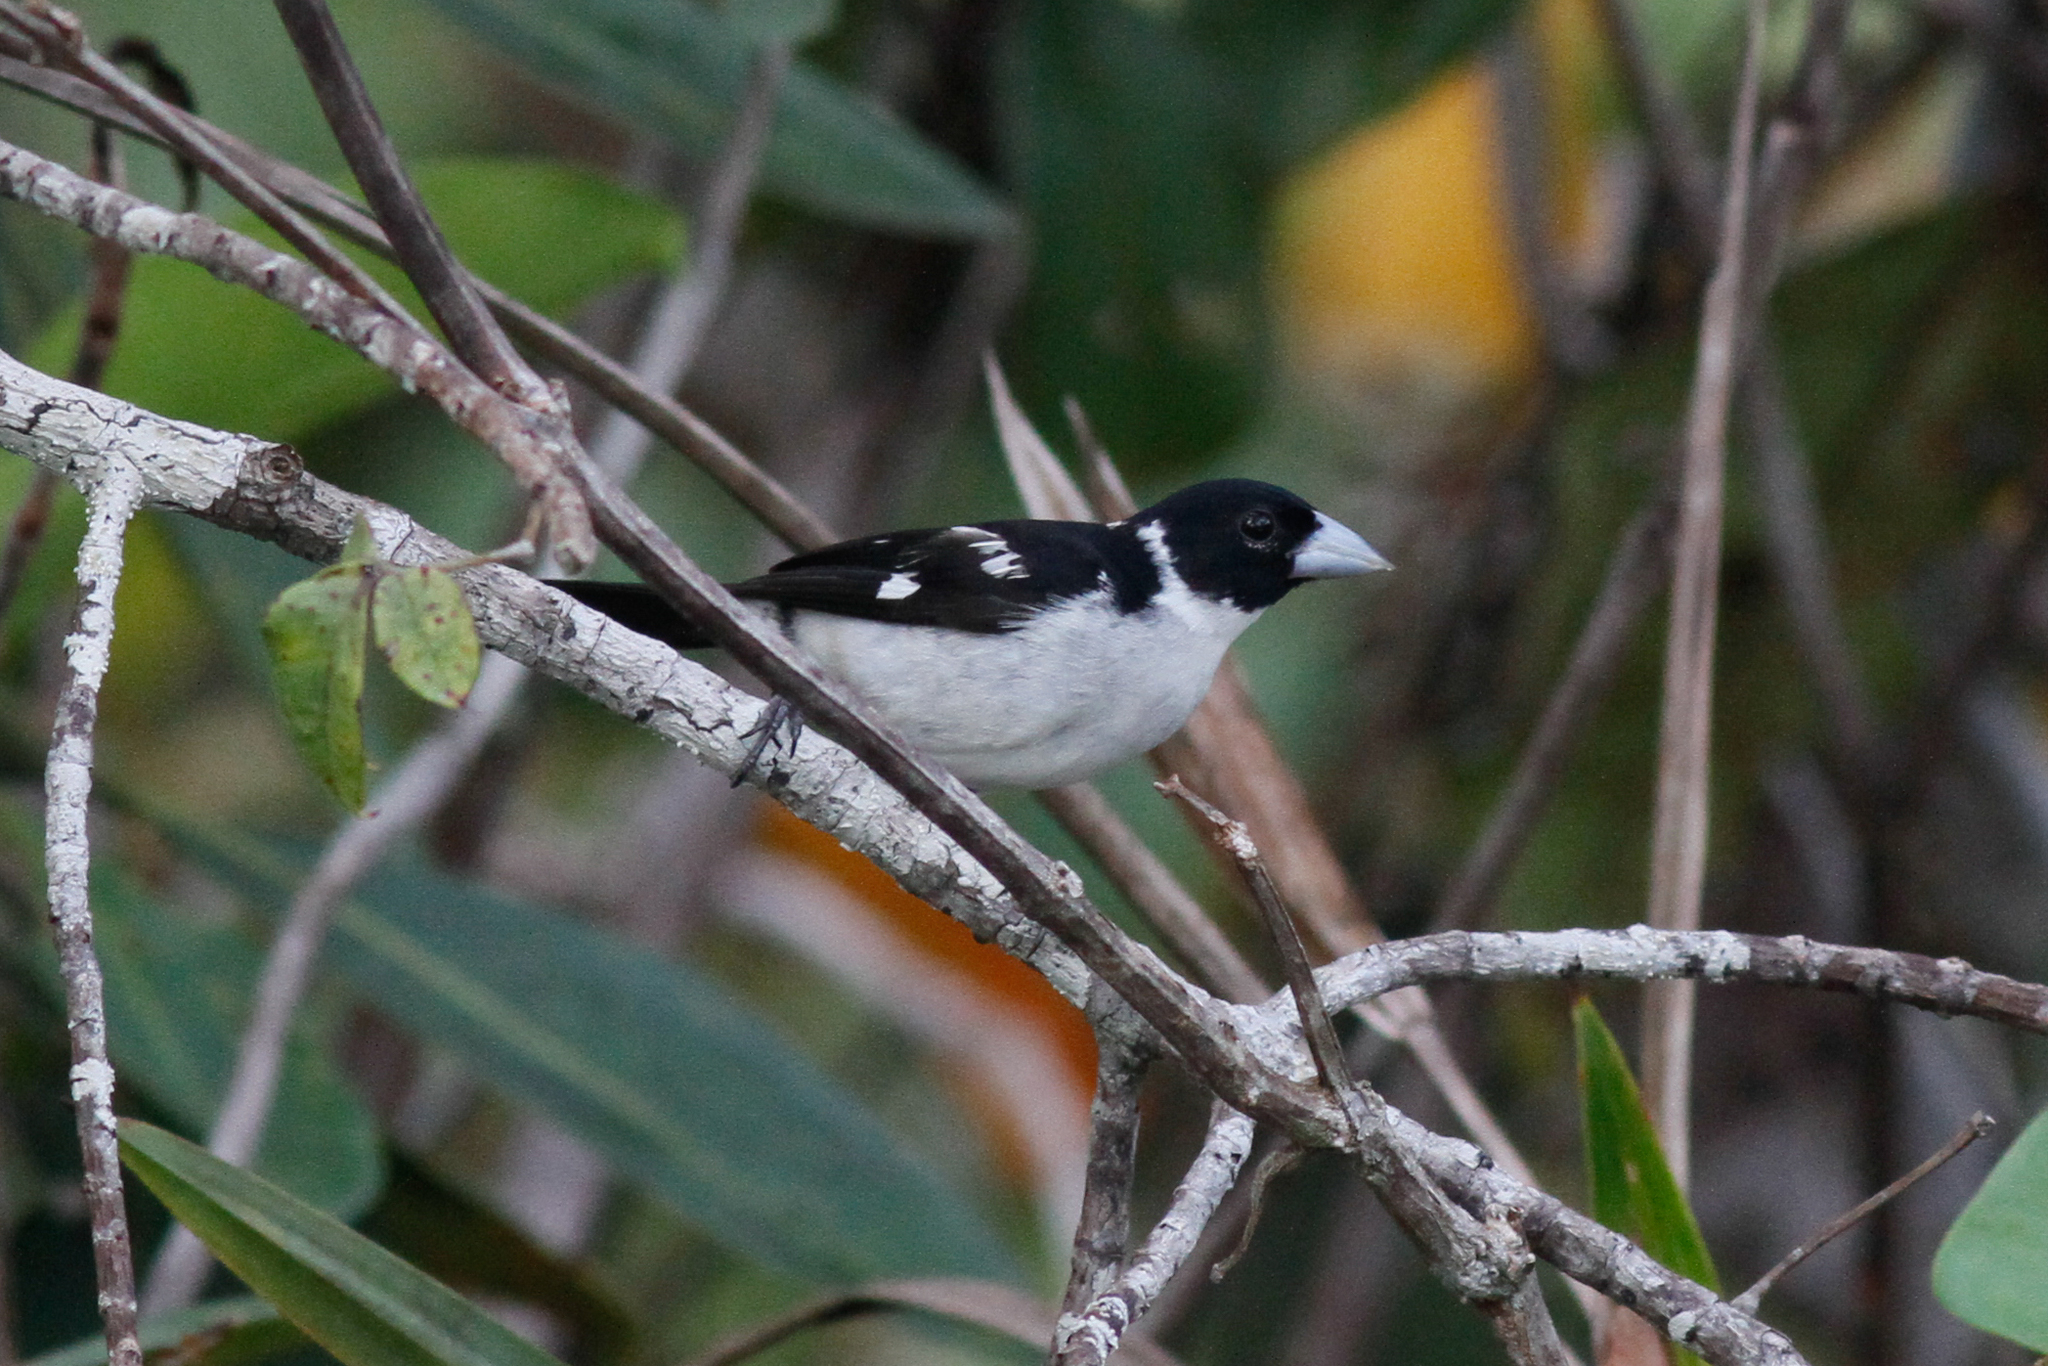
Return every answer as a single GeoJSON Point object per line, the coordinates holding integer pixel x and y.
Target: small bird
{"type": "Point", "coordinates": [1036, 653]}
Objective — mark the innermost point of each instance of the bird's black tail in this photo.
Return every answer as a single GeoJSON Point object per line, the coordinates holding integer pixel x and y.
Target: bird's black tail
{"type": "Point", "coordinates": [636, 607]}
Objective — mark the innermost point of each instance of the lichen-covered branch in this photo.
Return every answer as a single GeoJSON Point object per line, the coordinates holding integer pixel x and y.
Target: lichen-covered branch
{"type": "Point", "coordinates": [534, 443]}
{"type": "Point", "coordinates": [67, 783]}
{"type": "Point", "coordinates": [1946, 986]}
{"type": "Point", "coordinates": [1086, 1338]}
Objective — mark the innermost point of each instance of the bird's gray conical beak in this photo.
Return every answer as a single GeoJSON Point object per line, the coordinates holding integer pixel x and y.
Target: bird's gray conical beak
{"type": "Point", "coordinates": [1335, 551]}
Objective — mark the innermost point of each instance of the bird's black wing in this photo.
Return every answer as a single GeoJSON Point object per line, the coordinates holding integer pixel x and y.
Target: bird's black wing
{"type": "Point", "coordinates": [985, 578]}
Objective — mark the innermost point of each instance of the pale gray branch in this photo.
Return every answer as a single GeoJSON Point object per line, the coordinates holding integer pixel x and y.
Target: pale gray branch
{"type": "Point", "coordinates": [534, 443]}
{"type": "Point", "coordinates": [67, 781]}
{"type": "Point", "coordinates": [1088, 1337]}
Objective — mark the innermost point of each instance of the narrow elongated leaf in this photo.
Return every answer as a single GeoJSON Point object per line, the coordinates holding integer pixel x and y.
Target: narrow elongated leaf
{"type": "Point", "coordinates": [318, 631]}
{"type": "Point", "coordinates": [668, 1075]}
{"type": "Point", "coordinates": [1992, 1269]}
{"type": "Point", "coordinates": [352, 1297]}
{"type": "Point", "coordinates": [780, 21]}
{"type": "Point", "coordinates": [244, 1318]}
{"type": "Point", "coordinates": [677, 69]}
{"type": "Point", "coordinates": [1633, 1190]}
{"type": "Point", "coordinates": [423, 626]}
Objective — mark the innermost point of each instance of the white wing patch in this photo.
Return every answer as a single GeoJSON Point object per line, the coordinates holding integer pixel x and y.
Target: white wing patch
{"type": "Point", "coordinates": [897, 586]}
{"type": "Point", "coordinates": [998, 561]}
{"type": "Point", "coordinates": [1004, 565]}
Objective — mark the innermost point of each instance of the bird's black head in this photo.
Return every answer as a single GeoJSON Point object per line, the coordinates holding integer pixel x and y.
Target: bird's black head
{"type": "Point", "coordinates": [1247, 543]}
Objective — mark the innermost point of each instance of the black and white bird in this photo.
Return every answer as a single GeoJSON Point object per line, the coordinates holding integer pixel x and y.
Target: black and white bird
{"type": "Point", "coordinates": [1037, 653]}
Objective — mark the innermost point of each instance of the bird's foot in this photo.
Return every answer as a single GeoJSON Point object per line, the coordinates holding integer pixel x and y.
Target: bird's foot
{"type": "Point", "coordinates": [779, 718]}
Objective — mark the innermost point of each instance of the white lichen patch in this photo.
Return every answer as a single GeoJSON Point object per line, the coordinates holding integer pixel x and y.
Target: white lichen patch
{"type": "Point", "coordinates": [92, 1084]}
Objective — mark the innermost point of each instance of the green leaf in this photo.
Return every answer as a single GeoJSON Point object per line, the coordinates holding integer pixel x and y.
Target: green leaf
{"type": "Point", "coordinates": [178, 992]}
{"type": "Point", "coordinates": [549, 234]}
{"type": "Point", "coordinates": [223, 1322]}
{"type": "Point", "coordinates": [361, 546]}
{"type": "Point", "coordinates": [423, 626]}
{"type": "Point", "coordinates": [663, 1071]}
{"type": "Point", "coordinates": [317, 631]}
{"type": "Point", "coordinates": [677, 69]}
{"type": "Point", "coordinates": [795, 22]}
{"type": "Point", "coordinates": [1633, 1190]}
{"type": "Point", "coordinates": [1992, 1268]}
{"type": "Point", "coordinates": [352, 1297]}
{"type": "Point", "coordinates": [1301, 74]}
{"type": "Point", "coordinates": [459, 1239]}
{"type": "Point", "coordinates": [1148, 210]}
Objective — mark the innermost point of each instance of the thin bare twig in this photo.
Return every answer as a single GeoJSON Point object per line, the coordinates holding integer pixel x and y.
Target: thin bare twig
{"type": "Point", "coordinates": [1088, 1337]}
{"type": "Point", "coordinates": [1794, 534]}
{"type": "Point", "coordinates": [1282, 1159]}
{"type": "Point", "coordinates": [1678, 857]}
{"type": "Point", "coordinates": [1151, 886]}
{"type": "Point", "coordinates": [422, 250]}
{"type": "Point", "coordinates": [1316, 1030]}
{"type": "Point", "coordinates": [1103, 1232]}
{"type": "Point", "coordinates": [67, 778]}
{"type": "Point", "coordinates": [1944, 986]}
{"type": "Point", "coordinates": [1974, 1128]}
{"type": "Point", "coordinates": [682, 312]}
{"type": "Point", "coordinates": [1482, 1263]}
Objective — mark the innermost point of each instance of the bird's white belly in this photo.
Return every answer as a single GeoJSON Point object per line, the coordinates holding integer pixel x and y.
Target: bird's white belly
{"type": "Point", "coordinates": [1077, 690]}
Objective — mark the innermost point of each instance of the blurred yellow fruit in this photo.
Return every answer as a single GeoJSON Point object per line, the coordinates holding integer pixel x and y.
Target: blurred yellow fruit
{"type": "Point", "coordinates": [1395, 272]}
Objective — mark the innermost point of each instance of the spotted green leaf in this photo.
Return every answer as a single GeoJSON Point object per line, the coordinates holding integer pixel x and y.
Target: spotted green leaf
{"type": "Point", "coordinates": [318, 633]}
{"type": "Point", "coordinates": [423, 626]}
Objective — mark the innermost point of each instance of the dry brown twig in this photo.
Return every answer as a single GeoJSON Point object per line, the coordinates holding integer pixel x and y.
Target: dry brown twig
{"type": "Point", "coordinates": [1408, 1198]}
{"type": "Point", "coordinates": [1678, 858]}
{"type": "Point", "coordinates": [1974, 1128]}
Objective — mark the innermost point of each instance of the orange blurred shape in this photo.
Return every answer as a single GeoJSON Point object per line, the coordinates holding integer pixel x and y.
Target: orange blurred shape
{"type": "Point", "coordinates": [947, 942]}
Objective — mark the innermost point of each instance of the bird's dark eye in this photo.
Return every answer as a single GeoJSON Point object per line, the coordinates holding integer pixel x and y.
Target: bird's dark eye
{"type": "Point", "coordinates": [1258, 526]}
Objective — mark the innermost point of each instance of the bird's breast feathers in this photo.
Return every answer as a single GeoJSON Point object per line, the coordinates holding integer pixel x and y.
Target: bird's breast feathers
{"type": "Point", "coordinates": [1076, 687]}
